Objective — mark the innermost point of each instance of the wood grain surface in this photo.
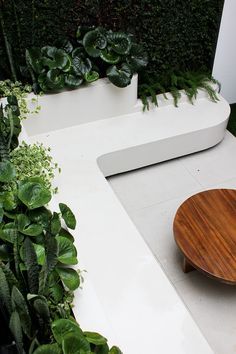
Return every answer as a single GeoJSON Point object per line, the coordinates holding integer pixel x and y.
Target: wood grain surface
{"type": "Point", "coordinates": [205, 231]}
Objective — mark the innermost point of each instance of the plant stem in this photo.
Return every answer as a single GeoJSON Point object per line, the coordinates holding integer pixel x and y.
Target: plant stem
{"type": "Point", "coordinates": [7, 45]}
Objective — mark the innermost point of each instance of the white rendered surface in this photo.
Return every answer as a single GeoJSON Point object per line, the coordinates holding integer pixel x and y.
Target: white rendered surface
{"type": "Point", "coordinates": [225, 58]}
{"type": "Point", "coordinates": [98, 100]}
{"type": "Point", "coordinates": [211, 303]}
{"type": "Point", "coordinates": [127, 295]}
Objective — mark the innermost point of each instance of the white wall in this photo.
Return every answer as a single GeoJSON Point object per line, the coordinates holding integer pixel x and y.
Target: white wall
{"type": "Point", "coordinates": [224, 68]}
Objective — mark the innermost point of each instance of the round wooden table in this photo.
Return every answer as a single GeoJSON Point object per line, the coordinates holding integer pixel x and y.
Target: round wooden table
{"type": "Point", "coordinates": [205, 232]}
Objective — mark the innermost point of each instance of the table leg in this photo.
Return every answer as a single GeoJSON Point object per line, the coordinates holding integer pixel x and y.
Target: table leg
{"type": "Point", "coordinates": [187, 267]}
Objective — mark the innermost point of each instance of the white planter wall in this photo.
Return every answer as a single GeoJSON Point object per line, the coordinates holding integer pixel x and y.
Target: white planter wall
{"type": "Point", "coordinates": [224, 68]}
{"type": "Point", "coordinates": [98, 100]}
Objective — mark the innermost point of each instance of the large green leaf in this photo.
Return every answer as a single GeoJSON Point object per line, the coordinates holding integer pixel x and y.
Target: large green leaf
{"type": "Point", "coordinates": [63, 60]}
{"type": "Point", "coordinates": [91, 76]}
{"type": "Point", "coordinates": [16, 329]}
{"type": "Point", "coordinates": [95, 338]}
{"type": "Point", "coordinates": [33, 194]}
{"type": "Point", "coordinates": [8, 232]}
{"type": "Point", "coordinates": [93, 42]}
{"type": "Point", "coordinates": [73, 81]}
{"type": "Point", "coordinates": [49, 51]}
{"type": "Point", "coordinates": [55, 79]}
{"type": "Point", "coordinates": [67, 253]}
{"type": "Point", "coordinates": [115, 350]}
{"type": "Point", "coordinates": [64, 44]}
{"type": "Point", "coordinates": [120, 42]}
{"type": "Point", "coordinates": [137, 59]}
{"type": "Point", "coordinates": [109, 56]}
{"type": "Point", "coordinates": [31, 263]}
{"type": "Point", "coordinates": [48, 349]}
{"type": "Point", "coordinates": [81, 66]}
{"type": "Point", "coordinates": [5, 252]}
{"type": "Point", "coordinates": [41, 216]}
{"type": "Point", "coordinates": [26, 228]}
{"type": "Point", "coordinates": [67, 234]}
{"type": "Point", "coordinates": [55, 224]}
{"type": "Point", "coordinates": [7, 171]}
{"type": "Point", "coordinates": [40, 253]}
{"type": "Point", "coordinates": [67, 216]}
{"type": "Point", "coordinates": [5, 291]}
{"type": "Point", "coordinates": [74, 344]}
{"type": "Point", "coordinates": [21, 307]}
{"type": "Point", "coordinates": [42, 309]}
{"type": "Point", "coordinates": [69, 277]}
{"type": "Point", "coordinates": [120, 77]}
{"type": "Point", "coordinates": [63, 327]}
{"type": "Point", "coordinates": [33, 58]}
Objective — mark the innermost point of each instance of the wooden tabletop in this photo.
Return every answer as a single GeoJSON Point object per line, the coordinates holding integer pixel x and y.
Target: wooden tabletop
{"type": "Point", "coordinates": [205, 231]}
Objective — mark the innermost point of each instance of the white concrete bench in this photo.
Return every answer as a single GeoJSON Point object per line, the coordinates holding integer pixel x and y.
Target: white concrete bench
{"type": "Point", "coordinates": [126, 294]}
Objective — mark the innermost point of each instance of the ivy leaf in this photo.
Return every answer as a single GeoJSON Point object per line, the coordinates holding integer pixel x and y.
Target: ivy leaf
{"type": "Point", "coordinates": [74, 344]}
{"type": "Point", "coordinates": [95, 338]}
{"type": "Point", "coordinates": [62, 327]}
{"type": "Point", "coordinates": [67, 216]}
{"type": "Point", "coordinates": [7, 171]}
{"type": "Point", "coordinates": [69, 277]}
{"type": "Point", "coordinates": [33, 194]}
{"type": "Point", "coordinates": [67, 253]}
{"type": "Point", "coordinates": [93, 42]}
{"type": "Point", "coordinates": [120, 77]}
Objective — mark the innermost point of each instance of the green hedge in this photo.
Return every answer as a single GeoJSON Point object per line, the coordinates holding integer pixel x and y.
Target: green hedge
{"type": "Point", "coordinates": [177, 34]}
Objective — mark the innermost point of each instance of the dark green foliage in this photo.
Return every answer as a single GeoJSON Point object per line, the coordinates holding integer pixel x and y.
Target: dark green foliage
{"type": "Point", "coordinates": [97, 53]}
{"type": "Point", "coordinates": [176, 34]}
{"type": "Point", "coordinates": [189, 82]}
{"type": "Point", "coordinates": [232, 120]}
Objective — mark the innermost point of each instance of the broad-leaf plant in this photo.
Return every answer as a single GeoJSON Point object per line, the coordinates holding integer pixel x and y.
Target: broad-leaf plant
{"type": "Point", "coordinates": [95, 53]}
{"type": "Point", "coordinates": [37, 260]}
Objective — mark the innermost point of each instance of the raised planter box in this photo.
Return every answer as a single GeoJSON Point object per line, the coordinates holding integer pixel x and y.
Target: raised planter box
{"type": "Point", "coordinates": [98, 100]}
{"type": "Point", "coordinates": [127, 296]}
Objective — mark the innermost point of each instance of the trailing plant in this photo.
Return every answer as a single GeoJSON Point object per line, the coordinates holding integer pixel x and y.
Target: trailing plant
{"type": "Point", "coordinates": [20, 91]}
{"type": "Point", "coordinates": [189, 82]}
{"type": "Point", "coordinates": [97, 53]}
{"type": "Point", "coordinates": [33, 161]}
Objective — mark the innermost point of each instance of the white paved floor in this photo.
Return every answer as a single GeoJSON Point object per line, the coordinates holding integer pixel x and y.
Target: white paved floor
{"type": "Point", "coordinates": [151, 197]}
